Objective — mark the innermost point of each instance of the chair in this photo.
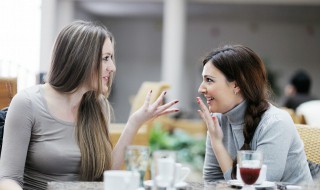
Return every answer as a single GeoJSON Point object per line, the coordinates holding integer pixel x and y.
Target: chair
{"type": "Point", "coordinates": [142, 137]}
{"type": "Point", "coordinates": [8, 88]}
{"type": "Point", "coordinates": [311, 139]}
{"type": "Point", "coordinates": [298, 119]}
{"type": "Point", "coordinates": [156, 87]}
{"type": "Point", "coordinates": [190, 126]}
{"type": "Point", "coordinates": [310, 111]}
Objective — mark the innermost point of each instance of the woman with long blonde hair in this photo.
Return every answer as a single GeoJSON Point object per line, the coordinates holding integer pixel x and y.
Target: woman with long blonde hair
{"type": "Point", "coordinates": [58, 131]}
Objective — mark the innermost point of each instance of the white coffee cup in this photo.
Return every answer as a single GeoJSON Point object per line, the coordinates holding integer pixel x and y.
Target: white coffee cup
{"type": "Point", "coordinates": [262, 176]}
{"type": "Point", "coordinates": [181, 172]}
{"type": "Point", "coordinates": [166, 168]}
{"type": "Point", "coordinates": [163, 168]}
{"type": "Point", "coordinates": [121, 180]}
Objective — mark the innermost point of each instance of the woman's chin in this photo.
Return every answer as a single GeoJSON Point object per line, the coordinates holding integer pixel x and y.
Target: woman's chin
{"type": "Point", "coordinates": [105, 89]}
{"type": "Point", "coordinates": [212, 110]}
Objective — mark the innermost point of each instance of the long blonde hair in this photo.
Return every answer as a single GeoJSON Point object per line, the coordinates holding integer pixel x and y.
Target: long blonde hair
{"type": "Point", "coordinates": [76, 61]}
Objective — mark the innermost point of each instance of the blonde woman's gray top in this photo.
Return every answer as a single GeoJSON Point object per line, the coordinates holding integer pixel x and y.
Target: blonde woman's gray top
{"type": "Point", "coordinates": [37, 147]}
{"type": "Point", "coordinates": [276, 136]}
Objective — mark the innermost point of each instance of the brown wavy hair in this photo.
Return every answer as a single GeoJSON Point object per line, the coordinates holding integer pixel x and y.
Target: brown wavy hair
{"type": "Point", "coordinates": [76, 61]}
{"type": "Point", "coordinates": [240, 64]}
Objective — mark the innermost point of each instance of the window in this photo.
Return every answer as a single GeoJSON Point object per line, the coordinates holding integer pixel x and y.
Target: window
{"type": "Point", "coordinates": [20, 40]}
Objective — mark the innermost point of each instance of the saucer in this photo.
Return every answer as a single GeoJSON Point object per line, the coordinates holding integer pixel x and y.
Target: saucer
{"type": "Point", "coordinates": [179, 185]}
{"type": "Point", "coordinates": [265, 184]}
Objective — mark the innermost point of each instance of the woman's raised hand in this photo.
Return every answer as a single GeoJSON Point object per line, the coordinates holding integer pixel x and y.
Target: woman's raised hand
{"type": "Point", "coordinates": [150, 111]}
{"type": "Point", "coordinates": [212, 123]}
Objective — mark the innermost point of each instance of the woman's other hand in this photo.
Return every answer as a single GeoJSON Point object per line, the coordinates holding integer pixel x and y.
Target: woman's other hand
{"type": "Point", "coordinates": [150, 111]}
{"type": "Point", "coordinates": [212, 123]}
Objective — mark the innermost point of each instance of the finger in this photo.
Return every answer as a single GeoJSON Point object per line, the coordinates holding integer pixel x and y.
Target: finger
{"type": "Point", "coordinates": [202, 106]}
{"type": "Point", "coordinates": [215, 121]}
{"type": "Point", "coordinates": [168, 111]}
{"type": "Point", "coordinates": [201, 115]}
{"type": "Point", "coordinates": [147, 100]}
{"type": "Point", "coordinates": [203, 118]}
{"type": "Point", "coordinates": [167, 105]}
{"type": "Point", "coordinates": [204, 109]}
{"type": "Point", "coordinates": [159, 101]}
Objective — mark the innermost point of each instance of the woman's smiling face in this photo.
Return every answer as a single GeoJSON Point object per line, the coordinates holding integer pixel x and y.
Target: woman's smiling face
{"type": "Point", "coordinates": [108, 65]}
{"type": "Point", "coordinates": [221, 95]}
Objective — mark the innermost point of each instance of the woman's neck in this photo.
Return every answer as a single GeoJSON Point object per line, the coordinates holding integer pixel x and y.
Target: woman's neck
{"type": "Point", "coordinates": [63, 105]}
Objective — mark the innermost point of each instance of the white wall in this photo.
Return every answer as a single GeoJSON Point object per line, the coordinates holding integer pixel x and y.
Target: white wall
{"type": "Point", "coordinates": [284, 44]}
{"type": "Point", "coordinates": [138, 58]}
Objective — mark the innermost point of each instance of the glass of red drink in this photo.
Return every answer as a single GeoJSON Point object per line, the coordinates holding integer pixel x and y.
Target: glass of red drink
{"type": "Point", "coordinates": [250, 163]}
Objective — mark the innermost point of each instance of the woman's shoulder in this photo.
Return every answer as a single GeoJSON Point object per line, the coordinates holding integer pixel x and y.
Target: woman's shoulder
{"type": "Point", "coordinates": [27, 96]}
{"type": "Point", "coordinates": [276, 113]}
{"type": "Point", "coordinates": [29, 92]}
{"type": "Point", "coordinates": [276, 117]}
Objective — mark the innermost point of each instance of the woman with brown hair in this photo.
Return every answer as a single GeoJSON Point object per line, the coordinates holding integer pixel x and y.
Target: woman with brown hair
{"type": "Point", "coordinates": [58, 131]}
{"type": "Point", "coordinates": [239, 117]}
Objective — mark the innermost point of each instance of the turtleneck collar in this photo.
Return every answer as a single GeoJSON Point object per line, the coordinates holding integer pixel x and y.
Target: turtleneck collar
{"type": "Point", "coordinates": [236, 115]}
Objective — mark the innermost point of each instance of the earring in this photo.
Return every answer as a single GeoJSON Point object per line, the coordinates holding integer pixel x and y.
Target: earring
{"type": "Point", "coordinates": [235, 93]}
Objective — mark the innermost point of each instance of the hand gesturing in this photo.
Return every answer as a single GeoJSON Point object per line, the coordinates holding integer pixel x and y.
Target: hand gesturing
{"type": "Point", "coordinates": [150, 111]}
{"type": "Point", "coordinates": [212, 123]}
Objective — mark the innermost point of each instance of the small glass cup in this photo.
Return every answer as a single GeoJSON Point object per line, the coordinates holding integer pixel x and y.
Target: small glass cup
{"type": "Point", "coordinates": [163, 169]}
{"type": "Point", "coordinates": [250, 163]}
{"type": "Point", "coordinates": [137, 159]}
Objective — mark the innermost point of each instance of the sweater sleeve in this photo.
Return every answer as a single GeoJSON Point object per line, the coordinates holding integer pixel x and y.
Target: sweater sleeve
{"type": "Point", "coordinates": [17, 132]}
{"type": "Point", "coordinates": [211, 169]}
{"type": "Point", "coordinates": [274, 139]}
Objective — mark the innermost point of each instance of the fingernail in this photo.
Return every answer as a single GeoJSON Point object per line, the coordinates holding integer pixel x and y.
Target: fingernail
{"type": "Point", "coordinates": [150, 91]}
{"type": "Point", "coordinates": [176, 110]}
{"type": "Point", "coordinates": [176, 101]}
{"type": "Point", "coordinates": [165, 92]}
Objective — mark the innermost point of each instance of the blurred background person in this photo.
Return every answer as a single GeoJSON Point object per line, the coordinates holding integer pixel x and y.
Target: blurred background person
{"type": "Point", "coordinates": [298, 90]}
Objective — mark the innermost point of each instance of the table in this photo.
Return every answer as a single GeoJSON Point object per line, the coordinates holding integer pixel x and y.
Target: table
{"type": "Point", "coordinates": [99, 186]}
{"type": "Point", "coordinates": [220, 185]}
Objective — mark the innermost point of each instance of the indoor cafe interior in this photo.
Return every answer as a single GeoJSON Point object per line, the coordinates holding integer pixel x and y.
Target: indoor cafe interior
{"type": "Point", "coordinates": [159, 46]}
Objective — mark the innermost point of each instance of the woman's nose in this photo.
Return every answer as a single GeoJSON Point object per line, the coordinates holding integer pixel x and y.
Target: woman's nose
{"type": "Point", "coordinates": [201, 89]}
{"type": "Point", "coordinates": [111, 68]}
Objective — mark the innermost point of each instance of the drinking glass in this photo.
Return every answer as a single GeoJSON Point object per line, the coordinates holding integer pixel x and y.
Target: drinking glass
{"type": "Point", "coordinates": [250, 163]}
{"type": "Point", "coordinates": [163, 169]}
{"type": "Point", "coordinates": [137, 159]}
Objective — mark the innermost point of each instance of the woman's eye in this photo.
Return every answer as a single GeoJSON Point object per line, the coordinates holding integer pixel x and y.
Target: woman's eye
{"type": "Point", "coordinates": [209, 80]}
{"type": "Point", "coordinates": [106, 58]}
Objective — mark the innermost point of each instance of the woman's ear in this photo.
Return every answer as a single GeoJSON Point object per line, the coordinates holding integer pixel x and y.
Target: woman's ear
{"type": "Point", "coordinates": [236, 88]}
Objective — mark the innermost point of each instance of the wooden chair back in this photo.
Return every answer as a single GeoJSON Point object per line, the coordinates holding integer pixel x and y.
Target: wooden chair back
{"type": "Point", "coordinates": [142, 137]}
{"type": "Point", "coordinates": [8, 88]}
{"type": "Point", "coordinates": [156, 87]}
{"type": "Point", "coordinates": [298, 119]}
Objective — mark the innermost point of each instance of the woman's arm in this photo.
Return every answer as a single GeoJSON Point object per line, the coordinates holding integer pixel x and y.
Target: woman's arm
{"type": "Point", "coordinates": [216, 135]}
{"type": "Point", "coordinates": [138, 118]}
{"type": "Point", "coordinates": [17, 132]}
{"type": "Point", "coordinates": [211, 168]}
{"type": "Point", "coordinates": [274, 139]}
